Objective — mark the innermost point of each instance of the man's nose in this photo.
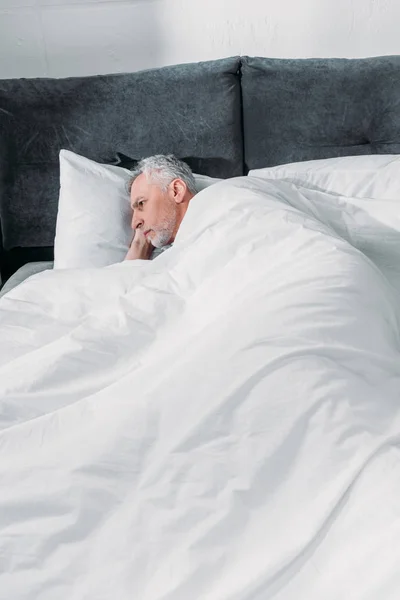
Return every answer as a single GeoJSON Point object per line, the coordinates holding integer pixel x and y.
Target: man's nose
{"type": "Point", "coordinates": [137, 222]}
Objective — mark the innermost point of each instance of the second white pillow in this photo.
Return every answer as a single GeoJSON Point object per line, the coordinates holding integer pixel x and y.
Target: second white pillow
{"type": "Point", "coordinates": [370, 176]}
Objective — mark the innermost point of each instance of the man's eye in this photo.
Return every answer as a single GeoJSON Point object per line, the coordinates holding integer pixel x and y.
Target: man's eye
{"type": "Point", "coordinates": [140, 204]}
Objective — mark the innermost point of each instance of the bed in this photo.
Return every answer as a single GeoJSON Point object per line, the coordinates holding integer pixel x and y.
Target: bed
{"type": "Point", "coordinates": [221, 422]}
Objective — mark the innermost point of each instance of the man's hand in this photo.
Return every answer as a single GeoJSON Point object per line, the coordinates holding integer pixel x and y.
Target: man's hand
{"type": "Point", "coordinates": [140, 247]}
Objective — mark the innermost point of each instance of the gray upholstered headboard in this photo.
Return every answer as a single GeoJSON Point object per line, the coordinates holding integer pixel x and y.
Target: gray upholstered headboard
{"type": "Point", "coordinates": [224, 116]}
{"type": "Point", "coordinates": [306, 109]}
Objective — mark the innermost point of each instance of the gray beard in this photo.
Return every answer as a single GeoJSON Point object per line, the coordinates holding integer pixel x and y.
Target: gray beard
{"type": "Point", "coordinates": [164, 233]}
{"type": "Point", "coordinates": [161, 238]}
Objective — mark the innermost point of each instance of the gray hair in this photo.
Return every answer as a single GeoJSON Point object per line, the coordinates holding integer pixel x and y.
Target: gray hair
{"type": "Point", "coordinates": [162, 169]}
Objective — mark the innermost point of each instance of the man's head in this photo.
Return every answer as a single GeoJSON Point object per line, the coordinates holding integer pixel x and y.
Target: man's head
{"type": "Point", "coordinates": [160, 190]}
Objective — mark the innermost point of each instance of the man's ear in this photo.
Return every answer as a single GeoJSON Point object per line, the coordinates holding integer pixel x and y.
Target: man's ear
{"type": "Point", "coordinates": [178, 188]}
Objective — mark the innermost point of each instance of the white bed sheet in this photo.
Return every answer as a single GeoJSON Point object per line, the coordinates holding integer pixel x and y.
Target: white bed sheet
{"type": "Point", "coordinates": [221, 423]}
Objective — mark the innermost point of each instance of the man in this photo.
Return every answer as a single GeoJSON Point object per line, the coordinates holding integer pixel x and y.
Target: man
{"type": "Point", "coordinates": [160, 189]}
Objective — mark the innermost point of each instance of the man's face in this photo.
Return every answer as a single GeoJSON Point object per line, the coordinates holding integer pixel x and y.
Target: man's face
{"type": "Point", "coordinates": [155, 212]}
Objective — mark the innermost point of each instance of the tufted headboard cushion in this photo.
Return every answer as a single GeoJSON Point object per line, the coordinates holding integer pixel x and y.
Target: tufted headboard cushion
{"type": "Point", "coordinates": [306, 109]}
{"type": "Point", "coordinates": [192, 110]}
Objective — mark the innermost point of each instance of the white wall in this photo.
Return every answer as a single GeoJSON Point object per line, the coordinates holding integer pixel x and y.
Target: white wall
{"type": "Point", "coordinates": [58, 38]}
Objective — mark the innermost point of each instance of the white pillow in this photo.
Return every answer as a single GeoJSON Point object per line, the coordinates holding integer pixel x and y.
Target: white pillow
{"type": "Point", "coordinates": [204, 181]}
{"type": "Point", "coordinates": [94, 216]}
{"type": "Point", "coordinates": [370, 176]}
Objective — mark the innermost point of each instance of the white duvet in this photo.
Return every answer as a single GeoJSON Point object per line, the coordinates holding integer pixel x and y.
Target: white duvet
{"type": "Point", "coordinates": [222, 423]}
